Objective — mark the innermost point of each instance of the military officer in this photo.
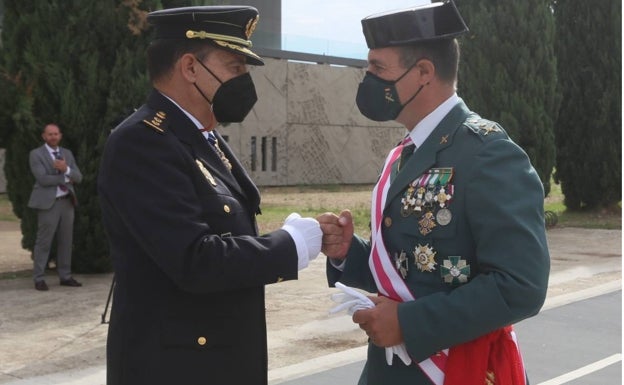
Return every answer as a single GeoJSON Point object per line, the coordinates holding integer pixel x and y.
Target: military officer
{"type": "Point", "coordinates": [180, 214]}
{"type": "Point", "coordinates": [458, 250]}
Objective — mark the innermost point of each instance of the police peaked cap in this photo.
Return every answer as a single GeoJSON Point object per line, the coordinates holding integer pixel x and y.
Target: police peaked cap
{"type": "Point", "coordinates": [227, 27]}
{"type": "Point", "coordinates": [439, 20]}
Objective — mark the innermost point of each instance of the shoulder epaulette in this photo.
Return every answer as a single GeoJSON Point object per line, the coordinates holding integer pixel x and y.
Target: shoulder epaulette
{"type": "Point", "coordinates": [157, 122]}
{"type": "Point", "coordinates": [481, 126]}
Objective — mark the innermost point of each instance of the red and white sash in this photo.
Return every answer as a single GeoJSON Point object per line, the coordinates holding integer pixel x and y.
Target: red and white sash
{"type": "Point", "coordinates": [389, 282]}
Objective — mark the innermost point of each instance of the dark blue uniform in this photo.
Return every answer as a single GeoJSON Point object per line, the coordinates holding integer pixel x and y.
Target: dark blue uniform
{"type": "Point", "coordinates": [190, 267]}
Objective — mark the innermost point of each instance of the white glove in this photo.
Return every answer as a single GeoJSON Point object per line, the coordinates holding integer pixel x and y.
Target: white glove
{"type": "Point", "coordinates": [307, 235]}
{"type": "Point", "coordinates": [352, 300]}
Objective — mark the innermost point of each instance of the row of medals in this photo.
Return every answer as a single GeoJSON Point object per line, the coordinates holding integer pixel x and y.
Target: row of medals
{"type": "Point", "coordinates": [431, 200]}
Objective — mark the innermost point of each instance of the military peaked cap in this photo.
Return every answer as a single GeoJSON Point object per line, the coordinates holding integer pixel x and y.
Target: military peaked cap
{"type": "Point", "coordinates": [227, 27]}
{"type": "Point", "coordinates": [439, 20]}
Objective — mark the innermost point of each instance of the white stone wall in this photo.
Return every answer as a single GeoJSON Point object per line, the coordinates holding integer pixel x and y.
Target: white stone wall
{"type": "Point", "coordinates": [320, 135]}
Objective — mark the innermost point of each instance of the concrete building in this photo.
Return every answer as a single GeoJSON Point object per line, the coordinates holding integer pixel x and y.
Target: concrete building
{"type": "Point", "coordinates": [305, 128]}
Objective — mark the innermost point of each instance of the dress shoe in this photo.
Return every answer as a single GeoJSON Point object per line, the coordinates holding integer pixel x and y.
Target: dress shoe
{"type": "Point", "coordinates": [41, 286]}
{"type": "Point", "coordinates": [70, 282]}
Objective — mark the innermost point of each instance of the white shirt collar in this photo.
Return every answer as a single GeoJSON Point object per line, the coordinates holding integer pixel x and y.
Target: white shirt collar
{"type": "Point", "coordinates": [193, 119]}
{"type": "Point", "coordinates": [51, 150]}
{"type": "Point", "coordinates": [425, 127]}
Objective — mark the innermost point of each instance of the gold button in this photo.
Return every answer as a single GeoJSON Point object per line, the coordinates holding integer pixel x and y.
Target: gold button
{"type": "Point", "coordinates": [226, 208]}
{"type": "Point", "coordinates": [201, 341]}
{"type": "Point", "coordinates": [388, 221]}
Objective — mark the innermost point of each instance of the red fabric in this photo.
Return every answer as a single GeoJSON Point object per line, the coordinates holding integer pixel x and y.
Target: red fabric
{"type": "Point", "coordinates": [497, 352]}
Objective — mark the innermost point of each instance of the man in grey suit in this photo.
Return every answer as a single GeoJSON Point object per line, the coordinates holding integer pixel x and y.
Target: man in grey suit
{"type": "Point", "coordinates": [53, 196]}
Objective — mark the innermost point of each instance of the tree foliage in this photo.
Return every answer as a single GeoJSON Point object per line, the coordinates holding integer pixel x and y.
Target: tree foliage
{"type": "Point", "coordinates": [80, 65]}
{"type": "Point", "coordinates": [508, 72]}
{"type": "Point", "coordinates": [589, 126]}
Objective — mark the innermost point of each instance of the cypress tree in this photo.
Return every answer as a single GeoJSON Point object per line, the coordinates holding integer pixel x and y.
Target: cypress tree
{"type": "Point", "coordinates": [508, 72]}
{"type": "Point", "coordinates": [80, 65]}
{"type": "Point", "coordinates": [589, 126]}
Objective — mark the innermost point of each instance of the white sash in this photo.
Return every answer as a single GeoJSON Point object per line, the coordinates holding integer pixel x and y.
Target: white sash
{"type": "Point", "coordinates": [389, 282]}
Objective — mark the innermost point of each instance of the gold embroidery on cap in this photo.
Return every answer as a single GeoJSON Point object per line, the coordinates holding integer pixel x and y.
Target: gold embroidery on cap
{"type": "Point", "coordinates": [237, 48]}
{"type": "Point", "coordinates": [251, 26]}
{"type": "Point", "coordinates": [215, 36]}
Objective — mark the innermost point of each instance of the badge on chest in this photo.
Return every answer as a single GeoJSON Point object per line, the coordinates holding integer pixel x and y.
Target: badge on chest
{"type": "Point", "coordinates": [206, 173]}
{"type": "Point", "coordinates": [429, 197]}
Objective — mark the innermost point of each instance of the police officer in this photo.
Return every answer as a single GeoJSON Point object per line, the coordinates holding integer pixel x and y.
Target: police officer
{"type": "Point", "coordinates": [179, 211]}
{"type": "Point", "coordinates": [458, 250]}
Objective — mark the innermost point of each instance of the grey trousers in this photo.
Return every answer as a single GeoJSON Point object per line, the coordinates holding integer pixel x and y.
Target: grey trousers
{"type": "Point", "coordinates": [58, 219]}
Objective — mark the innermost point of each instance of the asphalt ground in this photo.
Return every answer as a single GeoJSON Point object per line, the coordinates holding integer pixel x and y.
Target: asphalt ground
{"type": "Point", "coordinates": [56, 337]}
{"type": "Point", "coordinates": [557, 345]}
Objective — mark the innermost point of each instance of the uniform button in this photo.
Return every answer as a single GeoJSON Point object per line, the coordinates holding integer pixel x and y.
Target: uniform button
{"type": "Point", "coordinates": [201, 341]}
{"type": "Point", "coordinates": [226, 208]}
{"type": "Point", "coordinates": [388, 221]}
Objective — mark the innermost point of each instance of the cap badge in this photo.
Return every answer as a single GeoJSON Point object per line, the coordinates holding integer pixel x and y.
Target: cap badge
{"type": "Point", "coordinates": [251, 26]}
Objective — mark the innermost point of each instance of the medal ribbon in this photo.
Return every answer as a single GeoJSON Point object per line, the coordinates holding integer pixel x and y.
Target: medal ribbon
{"type": "Point", "coordinates": [445, 175]}
{"type": "Point", "coordinates": [387, 278]}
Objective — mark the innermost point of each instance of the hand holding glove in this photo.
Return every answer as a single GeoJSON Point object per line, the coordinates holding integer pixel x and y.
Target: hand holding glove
{"type": "Point", "coordinates": [307, 235]}
{"type": "Point", "coordinates": [352, 300]}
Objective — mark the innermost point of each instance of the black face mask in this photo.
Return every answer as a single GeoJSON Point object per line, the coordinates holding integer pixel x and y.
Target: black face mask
{"type": "Point", "coordinates": [378, 99]}
{"type": "Point", "coordinates": [234, 99]}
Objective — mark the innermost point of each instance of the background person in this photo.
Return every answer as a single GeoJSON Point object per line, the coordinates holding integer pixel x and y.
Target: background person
{"type": "Point", "coordinates": [54, 197]}
{"type": "Point", "coordinates": [458, 251]}
{"type": "Point", "coordinates": [180, 213]}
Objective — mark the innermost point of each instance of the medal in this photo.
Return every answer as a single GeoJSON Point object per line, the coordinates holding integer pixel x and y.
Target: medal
{"type": "Point", "coordinates": [401, 263]}
{"type": "Point", "coordinates": [425, 258]}
{"type": "Point", "coordinates": [406, 211]}
{"type": "Point", "coordinates": [429, 191]}
{"type": "Point", "coordinates": [429, 194]}
{"type": "Point", "coordinates": [442, 197]}
{"type": "Point", "coordinates": [408, 202]}
{"type": "Point", "coordinates": [454, 270]}
{"type": "Point", "coordinates": [426, 223]}
{"type": "Point", "coordinates": [444, 216]}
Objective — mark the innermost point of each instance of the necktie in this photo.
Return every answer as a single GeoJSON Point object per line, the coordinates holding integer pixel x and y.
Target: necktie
{"type": "Point", "coordinates": [407, 151]}
{"type": "Point", "coordinates": [57, 156]}
{"type": "Point", "coordinates": [212, 139]}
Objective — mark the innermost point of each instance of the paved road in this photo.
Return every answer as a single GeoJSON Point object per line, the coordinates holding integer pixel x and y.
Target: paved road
{"type": "Point", "coordinates": [576, 344]}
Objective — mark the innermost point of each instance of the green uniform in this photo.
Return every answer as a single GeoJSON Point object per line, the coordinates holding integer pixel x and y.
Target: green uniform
{"type": "Point", "coordinates": [476, 256]}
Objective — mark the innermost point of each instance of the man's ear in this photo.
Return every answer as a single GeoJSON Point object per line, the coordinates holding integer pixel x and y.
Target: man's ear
{"type": "Point", "coordinates": [187, 65]}
{"type": "Point", "coordinates": [426, 70]}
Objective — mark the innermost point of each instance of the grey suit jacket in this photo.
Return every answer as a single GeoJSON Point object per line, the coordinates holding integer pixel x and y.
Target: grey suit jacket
{"type": "Point", "coordinates": [47, 178]}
